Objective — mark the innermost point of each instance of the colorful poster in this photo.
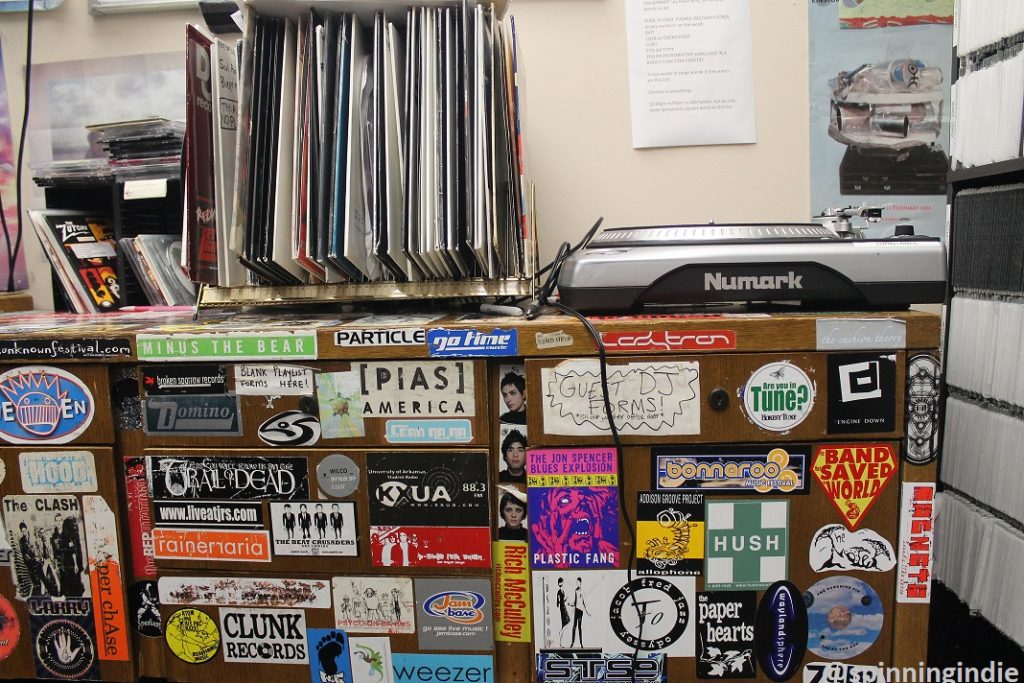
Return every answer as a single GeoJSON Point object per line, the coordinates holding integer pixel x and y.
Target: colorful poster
{"type": "Point", "coordinates": [669, 533]}
{"type": "Point", "coordinates": [574, 507]}
{"type": "Point", "coordinates": [512, 593]}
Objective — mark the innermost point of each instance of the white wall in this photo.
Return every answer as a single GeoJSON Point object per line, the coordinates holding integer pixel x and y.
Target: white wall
{"type": "Point", "coordinates": [577, 123]}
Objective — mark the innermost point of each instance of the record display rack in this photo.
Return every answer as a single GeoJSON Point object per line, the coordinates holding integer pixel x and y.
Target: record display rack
{"type": "Point", "coordinates": [225, 297]}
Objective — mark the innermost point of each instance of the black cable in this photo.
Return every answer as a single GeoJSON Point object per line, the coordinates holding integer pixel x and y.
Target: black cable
{"type": "Point", "coordinates": [12, 254]}
{"type": "Point", "coordinates": [617, 440]}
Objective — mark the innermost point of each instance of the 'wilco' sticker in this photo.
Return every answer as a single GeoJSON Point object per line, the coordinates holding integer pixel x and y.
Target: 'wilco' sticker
{"type": "Point", "coordinates": [725, 634]}
{"type": "Point", "coordinates": [844, 617]}
{"type": "Point", "coordinates": [834, 548]}
{"type": "Point", "coordinates": [292, 345]}
{"type": "Point", "coordinates": [853, 476]}
{"type": "Point", "coordinates": [732, 469]}
{"type": "Point", "coordinates": [781, 631]}
{"type": "Point", "coordinates": [669, 533]}
{"type": "Point", "coordinates": [778, 396]}
{"type": "Point", "coordinates": [445, 343]}
{"type": "Point", "coordinates": [263, 636]}
{"type": "Point", "coordinates": [163, 380]}
{"type": "Point", "coordinates": [861, 393]}
{"type": "Point", "coordinates": [64, 643]}
{"type": "Point", "coordinates": [227, 478]}
{"type": "Point", "coordinates": [42, 404]}
{"type": "Point", "coordinates": [337, 475]}
{"type": "Point", "coordinates": [290, 428]}
{"type": "Point", "coordinates": [454, 614]}
{"type": "Point", "coordinates": [207, 415]}
{"type": "Point", "coordinates": [64, 349]}
{"type": "Point", "coordinates": [58, 472]}
{"type": "Point", "coordinates": [922, 410]}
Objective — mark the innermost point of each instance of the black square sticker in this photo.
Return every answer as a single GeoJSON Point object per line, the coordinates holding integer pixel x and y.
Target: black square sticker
{"type": "Point", "coordinates": [861, 393]}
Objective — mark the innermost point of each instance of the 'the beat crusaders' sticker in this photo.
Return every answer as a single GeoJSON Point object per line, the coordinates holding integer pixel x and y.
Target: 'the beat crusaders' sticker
{"type": "Point", "coordinates": [42, 404]}
{"type": "Point", "coordinates": [778, 396]}
{"type": "Point", "coordinates": [853, 476]}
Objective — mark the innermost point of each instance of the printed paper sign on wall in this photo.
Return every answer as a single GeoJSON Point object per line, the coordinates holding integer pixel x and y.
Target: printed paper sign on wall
{"type": "Point", "coordinates": [747, 544]}
{"type": "Point", "coordinates": [651, 399]}
{"type": "Point", "coordinates": [573, 502]}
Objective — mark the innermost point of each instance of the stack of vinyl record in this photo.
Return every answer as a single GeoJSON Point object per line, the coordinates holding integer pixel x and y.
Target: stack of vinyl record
{"type": "Point", "coordinates": [142, 147]}
{"type": "Point", "coordinates": [380, 145]}
{"type": "Point", "coordinates": [156, 262]}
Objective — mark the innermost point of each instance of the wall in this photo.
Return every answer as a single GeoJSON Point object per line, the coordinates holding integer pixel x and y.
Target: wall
{"type": "Point", "coordinates": [577, 119]}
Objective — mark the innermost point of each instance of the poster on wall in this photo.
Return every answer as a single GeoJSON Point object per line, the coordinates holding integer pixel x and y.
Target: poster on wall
{"type": "Point", "coordinates": [880, 101]}
{"type": "Point", "coordinates": [7, 186]}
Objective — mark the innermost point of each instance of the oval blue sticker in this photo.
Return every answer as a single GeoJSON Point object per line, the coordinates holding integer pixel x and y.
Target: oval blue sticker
{"type": "Point", "coordinates": [39, 403]}
{"type": "Point", "coordinates": [781, 631]}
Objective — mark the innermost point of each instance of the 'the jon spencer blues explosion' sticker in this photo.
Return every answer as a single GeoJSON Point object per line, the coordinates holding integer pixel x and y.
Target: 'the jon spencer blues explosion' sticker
{"type": "Point", "coordinates": [42, 404]}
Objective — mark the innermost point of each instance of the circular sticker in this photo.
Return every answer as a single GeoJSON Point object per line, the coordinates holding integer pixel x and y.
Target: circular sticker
{"type": "Point", "coordinates": [144, 609]}
{"type": "Point", "coordinates": [42, 404]}
{"type": "Point", "coordinates": [844, 617]}
{"type": "Point", "coordinates": [337, 475]}
{"type": "Point", "coordinates": [192, 635]}
{"type": "Point", "coordinates": [10, 629]}
{"type": "Point", "coordinates": [778, 396]}
{"type": "Point", "coordinates": [65, 649]}
{"type": "Point", "coordinates": [662, 626]}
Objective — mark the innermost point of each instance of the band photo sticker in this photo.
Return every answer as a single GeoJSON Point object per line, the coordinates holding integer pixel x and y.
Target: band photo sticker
{"type": "Point", "coordinates": [512, 389]}
{"type": "Point", "coordinates": [192, 635]}
{"type": "Point", "coordinates": [48, 543]}
{"type": "Point", "coordinates": [367, 604]}
{"type": "Point", "coordinates": [43, 404]}
{"type": "Point", "coordinates": [454, 614]}
{"type": "Point", "coordinates": [835, 548]}
{"type": "Point", "coordinates": [513, 522]}
{"type": "Point", "coordinates": [574, 507]}
{"type": "Point", "coordinates": [314, 528]}
{"type": "Point", "coordinates": [512, 454]}
{"type": "Point", "coordinates": [670, 533]}
{"type": "Point", "coordinates": [861, 393]}
{"type": "Point", "coordinates": [778, 396]}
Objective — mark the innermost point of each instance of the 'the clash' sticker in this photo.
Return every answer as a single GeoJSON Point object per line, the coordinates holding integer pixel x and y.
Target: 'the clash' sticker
{"type": "Point", "coordinates": [835, 548]}
{"type": "Point", "coordinates": [202, 415]}
{"type": "Point", "coordinates": [314, 528]}
{"type": "Point", "coordinates": [445, 343]}
{"type": "Point", "coordinates": [844, 617]}
{"type": "Point", "coordinates": [48, 544]}
{"type": "Point", "coordinates": [367, 604]}
{"type": "Point", "coordinates": [725, 634]}
{"type": "Point", "coordinates": [732, 469]}
{"type": "Point", "coordinates": [913, 582]}
{"type": "Point", "coordinates": [43, 404]}
{"type": "Point", "coordinates": [778, 396]}
{"type": "Point", "coordinates": [264, 636]}
{"type": "Point", "coordinates": [670, 533]}
{"type": "Point", "coordinates": [747, 544]}
{"type": "Point", "coordinates": [454, 614]}
{"type": "Point", "coordinates": [861, 393]}
{"type": "Point", "coordinates": [58, 472]}
{"type": "Point", "coordinates": [178, 477]}
{"type": "Point", "coordinates": [192, 635]}
{"type": "Point", "coordinates": [64, 643]}
{"type": "Point", "coordinates": [853, 476]}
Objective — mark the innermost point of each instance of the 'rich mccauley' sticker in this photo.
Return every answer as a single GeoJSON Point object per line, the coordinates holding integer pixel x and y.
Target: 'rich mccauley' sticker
{"type": "Point", "coordinates": [778, 396]}
{"type": "Point", "coordinates": [42, 404]}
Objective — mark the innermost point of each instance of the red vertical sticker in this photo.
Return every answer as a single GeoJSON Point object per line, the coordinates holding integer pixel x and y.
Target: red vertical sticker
{"type": "Point", "coordinates": [140, 525]}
